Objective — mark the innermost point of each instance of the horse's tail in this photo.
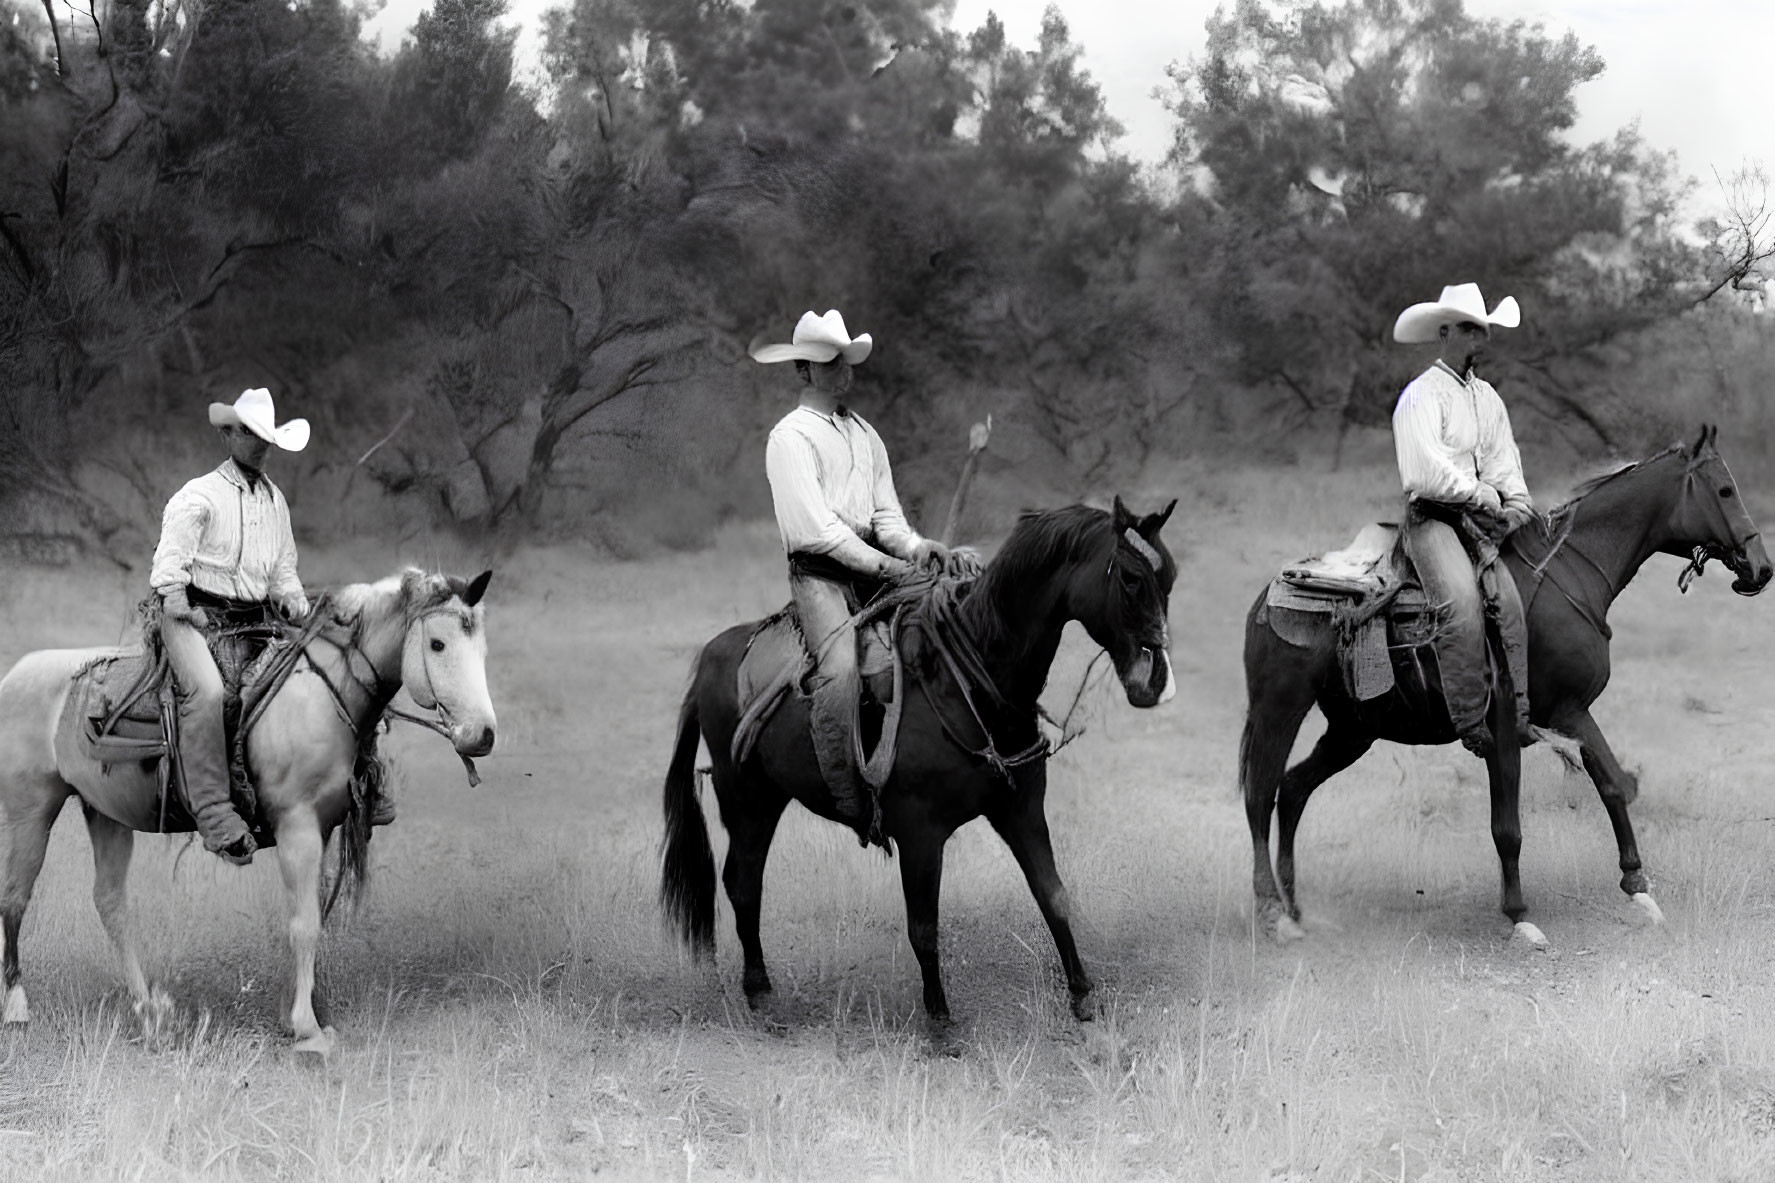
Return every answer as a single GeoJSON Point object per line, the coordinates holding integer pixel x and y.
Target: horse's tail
{"type": "Point", "coordinates": [687, 870]}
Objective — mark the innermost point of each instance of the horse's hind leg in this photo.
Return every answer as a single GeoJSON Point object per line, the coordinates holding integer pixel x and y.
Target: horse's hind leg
{"type": "Point", "coordinates": [1341, 746]}
{"type": "Point", "coordinates": [751, 821]}
{"type": "Point", "coordinates": [112, 846]}
{"type": "Point", "coordinates": [24, 837]}
{"type": "Point", "coordinates": [1617, 787]}
{"type": "Point", "coordinates": [1281, 692]}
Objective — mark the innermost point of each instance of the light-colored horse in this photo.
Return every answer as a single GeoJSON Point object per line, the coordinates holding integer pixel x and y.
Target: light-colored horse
{"type": "Point", "coordinates": [414, 629]}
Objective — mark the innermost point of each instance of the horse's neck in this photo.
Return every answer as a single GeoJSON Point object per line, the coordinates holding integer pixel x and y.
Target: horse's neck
{"type": "Point", "coordinates": [1619, 525]}
{"type": "Point", "coordinates": [1017, 632]}
{"type": "Point", "coordinates": [369, 659]}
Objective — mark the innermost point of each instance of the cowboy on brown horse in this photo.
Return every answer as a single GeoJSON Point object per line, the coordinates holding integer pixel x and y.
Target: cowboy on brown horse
{"type": "Point", "coordinates": [1463, 483]}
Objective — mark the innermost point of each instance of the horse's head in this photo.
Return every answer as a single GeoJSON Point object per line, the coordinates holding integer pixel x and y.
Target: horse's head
{"type": "Point", "coordinates": [1711, 522]}
{"type": "Point", "coordinates": [1124, 603]}
{"type": "Point", "coordinates": [444, 656]}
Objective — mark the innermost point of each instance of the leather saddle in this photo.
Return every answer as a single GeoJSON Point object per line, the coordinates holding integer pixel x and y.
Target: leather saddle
{"type": "Point", "coordinates": [122, 708]}
{"type": "Point", "coordinates": [1381, 618]}
{"type": "Point", "coordinates": [777, 660]}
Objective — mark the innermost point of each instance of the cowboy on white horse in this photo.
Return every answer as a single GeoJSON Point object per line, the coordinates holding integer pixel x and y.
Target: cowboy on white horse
{"type": "Point", "coordinates": [842, 528]}
{"type": "Point", "coordinates": [1463, 482]}
{"type": "Point", "coordinates": [225, 543]}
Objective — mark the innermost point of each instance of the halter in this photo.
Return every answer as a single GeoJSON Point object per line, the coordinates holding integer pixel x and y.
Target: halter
{"type": "Point", "coordinates": [378, 692]}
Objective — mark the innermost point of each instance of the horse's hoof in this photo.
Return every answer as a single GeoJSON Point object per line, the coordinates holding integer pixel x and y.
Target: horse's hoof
{"type": "Point", "coordinates": [1649, 906]}
{"type": "Point", "coordinates": [1084, 1007]}
{"type": "Point", "coordinates": [318, 1044]}
{"type": "Point", "coordinates": [1288, 930]}
{"type": "Point", "coordinates": [16, 1011]}
{"type": "Point", "coordinates": [1527, 934]}
{"type": "Point", "coordinates": [155, 1014]}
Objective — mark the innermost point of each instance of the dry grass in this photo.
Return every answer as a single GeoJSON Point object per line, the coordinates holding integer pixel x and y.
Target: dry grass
{"type": "Point", "coordinates": [510, 1009]}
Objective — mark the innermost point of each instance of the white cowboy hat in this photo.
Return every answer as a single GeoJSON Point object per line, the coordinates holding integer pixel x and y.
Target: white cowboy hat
{"type": "Point", "coordinates": [253, 411]}
{"type": "Point", "coordinates": [1420, 324]}
{"type": "Point", "coordinates": [816, 338]}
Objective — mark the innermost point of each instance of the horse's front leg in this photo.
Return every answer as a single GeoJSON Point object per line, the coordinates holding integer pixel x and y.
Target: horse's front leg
{"type": "Point", "coordinates": [299, 848]}
{"type": "Point", "coordinates": [1504, 767]}
{"type": "Point", "coordinates": [921, 876]}
{"type": "Point", "coordinates": [1617, 787]}
{"type": "Point", "coordinates": [1023, 824]}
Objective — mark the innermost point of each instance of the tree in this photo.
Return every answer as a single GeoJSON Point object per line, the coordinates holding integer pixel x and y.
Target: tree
{"type": "Point", "coordinates": [1354, 157]}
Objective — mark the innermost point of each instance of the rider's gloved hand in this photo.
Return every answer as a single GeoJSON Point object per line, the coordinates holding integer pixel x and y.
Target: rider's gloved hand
{"type": "Point", "coordinates": [177, 605]}
{"type": "Point", "coordinates": [930, 554]}
{"type": "Point", "coordinates": [1488, 500]}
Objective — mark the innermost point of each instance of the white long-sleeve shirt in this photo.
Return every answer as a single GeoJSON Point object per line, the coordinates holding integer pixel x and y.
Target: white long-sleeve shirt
{"type": "Point", "coordinates": [230, 537]}
{"type": "Point", "coordinates": [1453, 435]}
{"type": "Point", "coordinates": [834, 492]}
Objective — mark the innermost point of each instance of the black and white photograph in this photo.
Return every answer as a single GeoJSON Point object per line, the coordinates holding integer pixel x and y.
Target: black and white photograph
{"type": "Point", "coordinates": [729, 590]}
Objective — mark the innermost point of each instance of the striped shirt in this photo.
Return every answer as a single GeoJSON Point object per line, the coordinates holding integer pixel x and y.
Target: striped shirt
{"type": "Point", "coordinates": [1451, 435]}
{"type": "Point", "coordinates": [834, 492]}
{"type": "Point", "coordinates": [230, 537]}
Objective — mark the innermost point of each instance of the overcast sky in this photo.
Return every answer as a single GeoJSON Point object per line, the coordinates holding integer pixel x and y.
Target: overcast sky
{"type": "Point", "coordinates": [1695, 73]}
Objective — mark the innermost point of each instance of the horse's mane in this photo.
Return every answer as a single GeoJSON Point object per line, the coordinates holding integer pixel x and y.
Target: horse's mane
{"type": "Point", "coordinates": [1039, 542]}
{"type": "Point", "coordinates": [1591, 484]}
{"type": "Point", "coordinates": [415, 591]}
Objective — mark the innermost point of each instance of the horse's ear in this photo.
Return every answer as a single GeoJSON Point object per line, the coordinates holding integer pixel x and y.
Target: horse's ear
{"type": "Point", "coordinates": [1700, 442]}
{"type": "Point", "coordinates": [1122, 518]}
{"type": "Point", "coordinates": [477, 588]}
{"type": "Point", "coordinates": [1713, 434]}
{"type": "Point", "coordinates": [1152, 523]}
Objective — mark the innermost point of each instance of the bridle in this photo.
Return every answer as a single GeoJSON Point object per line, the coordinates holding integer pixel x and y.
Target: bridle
{"type": "Point", "coordinates": [1721, 525]}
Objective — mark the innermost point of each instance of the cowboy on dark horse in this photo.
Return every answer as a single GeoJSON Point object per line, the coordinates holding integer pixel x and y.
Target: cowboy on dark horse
{"type": "Point", "coordinates": [1463, 484]}
{"type": "Point", "coordinates": [843, 530]}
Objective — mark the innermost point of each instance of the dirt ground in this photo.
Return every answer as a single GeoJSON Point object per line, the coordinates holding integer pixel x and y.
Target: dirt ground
{"type": "Point", "coordinates": [509, 1006]}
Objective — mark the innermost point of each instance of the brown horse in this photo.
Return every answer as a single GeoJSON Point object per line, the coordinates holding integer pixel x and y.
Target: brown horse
{"type": "Point", "coordinates": [1569, 569]}
{"type": "Point", "coordinates": [967, 748]}
{"type": "Point", "coordinates": [413, 629]}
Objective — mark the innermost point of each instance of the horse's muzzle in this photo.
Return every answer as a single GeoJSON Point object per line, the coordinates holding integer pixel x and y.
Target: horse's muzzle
{"type": "Point", "coordinates": [1751, 565]}
{"type": "Point", "coordinates": [1148, 680]}
{"type": "Point", "coordinates": [472, 739]}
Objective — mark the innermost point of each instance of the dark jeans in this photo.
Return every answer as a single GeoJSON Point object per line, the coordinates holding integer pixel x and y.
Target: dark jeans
{"type": "Point", "coordinates": [1459, 592]}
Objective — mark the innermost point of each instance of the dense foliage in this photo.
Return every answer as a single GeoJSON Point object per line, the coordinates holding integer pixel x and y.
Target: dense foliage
{"type": "Point", "coordinates": [503, 303]}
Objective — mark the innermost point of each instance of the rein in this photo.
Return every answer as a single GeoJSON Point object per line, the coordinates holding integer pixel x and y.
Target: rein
{"type": "Point", "coordinates": [967, 668]}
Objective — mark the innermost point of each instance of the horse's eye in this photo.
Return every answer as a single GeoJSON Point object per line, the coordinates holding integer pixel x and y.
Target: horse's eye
{"type": "Point", "coordinates": [437, 646]}
{"type": "Point", "coordinates": [1726, 493]}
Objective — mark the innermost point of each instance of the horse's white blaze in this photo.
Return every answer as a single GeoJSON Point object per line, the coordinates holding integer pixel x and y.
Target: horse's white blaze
{"type": "Point", "coordinates": [1170, 690]}
{"type": "Point", "coordinates": [1649, 906]}
{"type": "Point", "coordinates": [17, 1011]}
{"type": "Point", "coordinates": [1529, 935]}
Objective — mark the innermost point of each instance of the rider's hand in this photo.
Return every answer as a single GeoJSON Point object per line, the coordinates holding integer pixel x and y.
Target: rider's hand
{"type": "Point", "coordinates": [897, 571]}
{"type": "Point", "coordinates": [965, 563]}
{"type": "Point", "coordinates": [1518, 516]}
{"type": "Point", "coordinates": [930, 554]}
{"type": "Point", "coordinates": [1488, 500]}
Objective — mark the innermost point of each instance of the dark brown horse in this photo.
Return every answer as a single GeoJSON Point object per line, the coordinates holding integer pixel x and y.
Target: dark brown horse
{"type": "Point", "coordinates": [1108, 571]}
{"type": "Point", "coordinates": [1569, 569]}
